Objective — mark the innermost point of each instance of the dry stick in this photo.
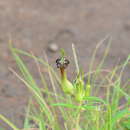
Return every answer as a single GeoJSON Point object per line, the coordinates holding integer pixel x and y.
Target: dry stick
{"type": "Point", "coordinates": [103, 70]}
{"type": "Point", "coordinates": [75, 58]}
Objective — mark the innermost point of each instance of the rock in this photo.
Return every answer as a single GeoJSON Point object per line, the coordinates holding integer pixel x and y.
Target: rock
{"type": "Point", "coordinates": [53, 47]}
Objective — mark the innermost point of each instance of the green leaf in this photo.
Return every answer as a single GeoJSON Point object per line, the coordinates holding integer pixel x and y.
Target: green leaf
{"type": "Point", "coordinates": [65, 105]}
{"type": "Point", "coordinates": [97, 99]}
{"type": "Point", "coordinates": [119, 115]}
{"type": "Point", "coordinates": [126, 124]}
{"type": "Point", "coordinates": [74, 106]}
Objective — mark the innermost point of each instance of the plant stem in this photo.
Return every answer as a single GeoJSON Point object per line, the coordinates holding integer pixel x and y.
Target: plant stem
{"type": "Point", "coordinates": [63, 73]}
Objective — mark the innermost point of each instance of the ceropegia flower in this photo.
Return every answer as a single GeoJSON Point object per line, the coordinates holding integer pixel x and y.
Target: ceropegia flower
{"type": "Point", "coordinates": [62, 64]}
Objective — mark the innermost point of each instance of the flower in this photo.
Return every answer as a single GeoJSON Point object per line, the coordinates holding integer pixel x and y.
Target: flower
{"type": "Point", "coordinates": [62, 64]}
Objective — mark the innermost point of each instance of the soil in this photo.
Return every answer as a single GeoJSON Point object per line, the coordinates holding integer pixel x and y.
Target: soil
{"type": "Point", "coordinates": [33, 25]}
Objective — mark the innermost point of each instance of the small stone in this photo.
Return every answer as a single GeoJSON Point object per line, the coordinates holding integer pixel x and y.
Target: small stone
{"type": "Point", "coordinates": [53, 47]}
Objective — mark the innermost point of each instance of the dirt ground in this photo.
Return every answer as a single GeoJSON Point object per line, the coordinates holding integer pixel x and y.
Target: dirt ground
{"type": "Point", "coordinates": [35, 24]}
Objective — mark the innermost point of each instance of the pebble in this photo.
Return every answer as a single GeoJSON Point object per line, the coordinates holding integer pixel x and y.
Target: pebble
{"type": "Point", "coordinates": [53, 47]}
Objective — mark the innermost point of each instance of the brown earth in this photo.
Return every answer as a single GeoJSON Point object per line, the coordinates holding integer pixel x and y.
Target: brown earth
{"type": "Point", "coordinates": [34, 24]}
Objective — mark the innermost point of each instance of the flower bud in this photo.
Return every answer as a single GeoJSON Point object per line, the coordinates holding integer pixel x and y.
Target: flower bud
{"type": "Point", "coordinates": [88, 90]}
{"type": "Point", "coordinates": [79, 89]}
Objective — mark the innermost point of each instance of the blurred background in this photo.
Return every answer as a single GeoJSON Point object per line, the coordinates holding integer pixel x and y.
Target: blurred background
{"type": "Point", "coordinates": [45, 26]}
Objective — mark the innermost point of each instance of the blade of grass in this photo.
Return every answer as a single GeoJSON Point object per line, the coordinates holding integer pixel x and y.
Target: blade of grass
{"type": "Point", "coordinates": [92, 98]}
{"type": "Point", "coordinates": [30, 83]}
{"type": "Point", "coordinates": [75, 58]}
{"type": "Point", "coordinates": [8, 122]}
{"type": "Point", "coordinates": [26, 122]}
{"type": "Point", "coordinates": [119, 115]}
{"type": "Point", "coordinates": [93, 57]}
{"type": "Point", "coordinates": [39, 99]}
{"type": "Point", "coordinates": [38, 59]}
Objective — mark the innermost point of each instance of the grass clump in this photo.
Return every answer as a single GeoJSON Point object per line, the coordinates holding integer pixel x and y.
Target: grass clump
{"type": "Point", "coordinates": [89, 105]}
